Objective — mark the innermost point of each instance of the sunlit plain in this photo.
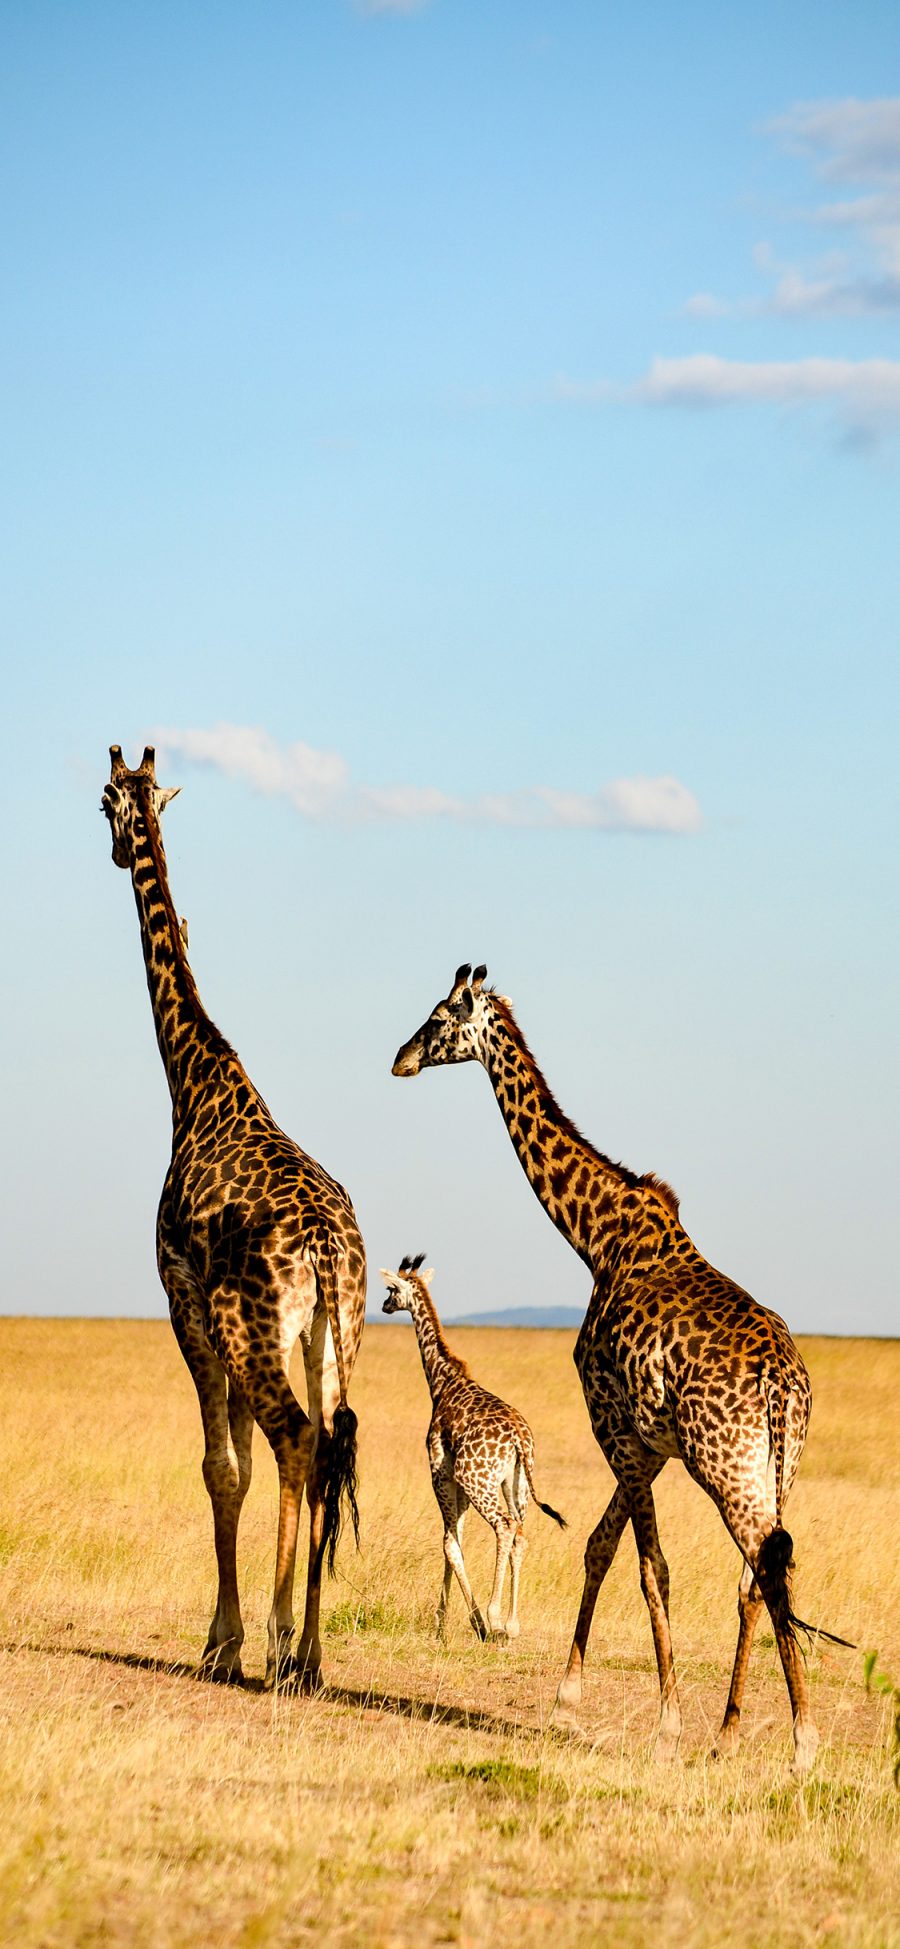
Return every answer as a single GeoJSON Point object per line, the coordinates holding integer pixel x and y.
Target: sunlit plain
{"type": "Point", "coordinates": [423, 1799]}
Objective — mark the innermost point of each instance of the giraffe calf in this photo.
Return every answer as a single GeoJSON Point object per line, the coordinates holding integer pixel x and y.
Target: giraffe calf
{"type": "Point", "coordinates": [481, 1451]}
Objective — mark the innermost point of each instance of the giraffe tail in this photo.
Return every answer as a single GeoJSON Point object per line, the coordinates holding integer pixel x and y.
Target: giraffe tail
{"type": "Point", "coordinates": [525, 1460]}
{"type": "Point", "coordinates": [773, 1568]}
{"type": "Point", "coordinates": [776, 1558]}
{"type": "Point", "coordinates": [341, 1479]}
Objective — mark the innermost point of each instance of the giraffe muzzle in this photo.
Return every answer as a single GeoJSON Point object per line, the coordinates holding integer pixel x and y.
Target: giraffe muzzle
{"type": "Point", "coordinates": [408, 1060]}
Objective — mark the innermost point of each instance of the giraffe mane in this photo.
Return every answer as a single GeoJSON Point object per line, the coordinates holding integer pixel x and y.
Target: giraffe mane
{"type": "Point", "coordinates": [154, 839]}
{"type": "Point", "coordinates": [446, 1353]}
{"type": "Point", "coordinates": [633, 1180]}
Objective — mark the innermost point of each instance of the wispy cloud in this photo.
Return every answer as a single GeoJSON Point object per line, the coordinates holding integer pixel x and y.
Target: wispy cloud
{"type": "Point", "coordinates": [864, 392]}
{"type": "Point", "coordinates": [848, 142]}
{"type": "Point", "coordinates": [318, 784]}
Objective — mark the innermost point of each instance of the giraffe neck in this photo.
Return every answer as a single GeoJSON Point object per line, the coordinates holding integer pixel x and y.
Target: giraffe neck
{"type": "Point", "coordinates": [188, 1041]}
{"type": "Point", "coordinates": [439, 1363]}
{"type": "Point", "coordinates": [579, 1188]}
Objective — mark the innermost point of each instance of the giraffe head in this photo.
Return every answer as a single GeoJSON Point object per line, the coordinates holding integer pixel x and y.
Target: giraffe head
{"type": "Point", "coordinates": [401, 1285]}
{"type": "Point", "coordinates": [452, 1032]}
{"type": "Point", "coordinates": [130, 797]}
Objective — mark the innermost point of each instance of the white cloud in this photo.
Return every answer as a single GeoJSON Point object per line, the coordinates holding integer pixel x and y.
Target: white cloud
{"type": "Point", "coordinates": [853, 142]}
{"type": "Point", "coordinates": [319, 785]}
{"type": "Point", "coordinates": [864, 392]}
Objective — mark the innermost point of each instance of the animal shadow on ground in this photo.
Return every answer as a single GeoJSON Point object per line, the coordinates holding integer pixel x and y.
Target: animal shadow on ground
{"type": "Point", "coordinates": [369, 1699]}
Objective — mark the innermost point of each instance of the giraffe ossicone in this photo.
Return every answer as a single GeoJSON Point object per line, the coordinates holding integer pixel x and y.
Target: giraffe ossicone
{"type": "Point", "coordinates": [674, 1359]}
{"type": "Point", "coordinates": [480, 1453]}
{"type": "Point", "coordinates": [257, 1247]}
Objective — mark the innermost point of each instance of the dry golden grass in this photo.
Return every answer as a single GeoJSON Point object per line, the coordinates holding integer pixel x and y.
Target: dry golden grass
{"type": "Point", "coordinates": [421, 1801]}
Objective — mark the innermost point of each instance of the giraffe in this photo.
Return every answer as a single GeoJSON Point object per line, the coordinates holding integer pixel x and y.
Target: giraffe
{"type": "Point", "coordinates": [480, 1451]}
{"type": "Point", "coordinates": [256, 1246]}
{"type": "Point", "coordinates": [674, 1360]}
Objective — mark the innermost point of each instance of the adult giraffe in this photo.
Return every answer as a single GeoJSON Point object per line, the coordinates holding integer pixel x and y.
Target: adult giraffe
{"type": "Point", "coordinates": [674, 1359]}
{"type": "Point", "coordinates": [257, 1246]}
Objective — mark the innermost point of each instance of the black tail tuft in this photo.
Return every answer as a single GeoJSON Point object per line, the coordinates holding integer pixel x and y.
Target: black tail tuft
{"type": "Point", "coordinates": [773, 1568]}
{"type": "Point", "coordinates": [557, 1518]}
{"type": "Point", "coordinates": [340, 1484]}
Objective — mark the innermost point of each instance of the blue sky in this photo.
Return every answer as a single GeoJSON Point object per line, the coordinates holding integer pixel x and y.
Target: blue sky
{"type": "Point", "coordinates": [467, 438]}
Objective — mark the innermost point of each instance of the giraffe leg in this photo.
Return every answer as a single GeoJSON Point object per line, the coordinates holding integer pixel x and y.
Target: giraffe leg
{"type": "Point", "coordinates": [450, 1497]}
{"type": "Point", "coordinates": [324, 1393]}
{"type": "Point", "coordinates": [747, 1507]}
{"type": "Point", "coordinates": [227, 1428]}
{"type": "Point", "coordinates": [774, 1589]}
{"type": "Point", "coordinates": [601, 1548]}
{"type": "Point", "coordinates": [750, 1603]}
{"type": "Point", "coordinates": [515, 1566]}
{"type": "Point", "coordinates": [504, 1535]}
{"type": "Point", "coordinates": [440, 1616]}
{"type": "Point", "coordinates": [517, 1497]}
{"type": "Point", "coordinates": [290, 1435]}
{"type": "Point", "coordinates": [460, 1507]}
{"type": "Point", "coordinates": [655, 1586]}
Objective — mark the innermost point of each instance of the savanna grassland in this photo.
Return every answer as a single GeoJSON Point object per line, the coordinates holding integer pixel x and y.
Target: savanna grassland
{"type": "Point", "coordinates": [422, 1799]}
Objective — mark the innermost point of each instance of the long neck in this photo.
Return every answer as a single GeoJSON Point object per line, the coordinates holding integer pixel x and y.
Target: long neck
{"type": "Point", "coordinates": [579, 1188]}
{"type": "Point", "coordinates": [187, 1039]}
{"type": "Point", "coordinates": [439, 1363]}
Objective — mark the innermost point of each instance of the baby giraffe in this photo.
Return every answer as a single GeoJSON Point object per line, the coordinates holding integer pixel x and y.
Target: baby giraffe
{"type": "Point", "coordinates": [480, 1451]}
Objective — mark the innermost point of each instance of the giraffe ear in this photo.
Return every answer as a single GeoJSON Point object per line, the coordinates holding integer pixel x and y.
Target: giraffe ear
{"type": "Point", "coordinates": [164, 793]}
{"type": "Point", "coordinates": [427, 1276]}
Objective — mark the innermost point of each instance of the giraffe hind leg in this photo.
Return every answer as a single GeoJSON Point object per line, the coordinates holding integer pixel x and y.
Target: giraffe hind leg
{"type": "Point", "coordinates": [515, 1567]}
{"type": "Point", "coordinates": [323, 1395]}
{"type": "Point", "coordinates": [504, 1536]}
{"type": "Point", "coordinates": [750, 1604]}
{"type": "Point", "coordinates": [655, 1586]}
{"type": "Point", "coordinates": [600, 1549]}
{"type": "Point", "coordinates": [453, 1503]}
{"type": "Point", "coordinates": [228, 1431]}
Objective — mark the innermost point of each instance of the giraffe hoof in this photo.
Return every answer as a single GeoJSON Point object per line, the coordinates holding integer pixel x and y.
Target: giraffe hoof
{"type": "Point", "coordinates": [478, 1625]}
{"type": "Point", "coordinates": [665, 1750]}
{"type": "Point", "coordinates": [562, 1720]}
{"type": "Point", "coordinates": [221, 1666]}
{"type": "Point", "coordinates": [728, 1740]}
{"type": "Point", "coordinates": [806, 1742]}
{"type": "Point", "coordinates": [498, 1634]}
{"type": "Point", "coordinates": [307, 1680]}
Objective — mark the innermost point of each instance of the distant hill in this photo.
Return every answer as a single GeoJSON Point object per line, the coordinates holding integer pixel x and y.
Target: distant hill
{"type": "Point", "coordinates": [567, 1316]}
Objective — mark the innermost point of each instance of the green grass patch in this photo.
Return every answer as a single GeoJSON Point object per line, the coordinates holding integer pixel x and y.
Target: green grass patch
{"type": "Point", "coordinates": [358, 1615]}
{"type": "Point", "coordinates": [504, 1776]}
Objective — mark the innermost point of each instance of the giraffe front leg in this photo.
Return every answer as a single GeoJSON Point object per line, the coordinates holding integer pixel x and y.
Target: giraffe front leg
{"type": "Point", "coordinates": [750, 1604]}
{"type": "Point", "coordinates": [602, 1545]}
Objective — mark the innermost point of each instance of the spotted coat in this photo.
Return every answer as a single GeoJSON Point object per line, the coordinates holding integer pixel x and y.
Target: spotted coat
{"type": "Point", "coordinates": [674, 1358]}
{"type": "Point", "coordinates": [480, 1451]}
{"type": "Point", "coordinates": [257, 1246]}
